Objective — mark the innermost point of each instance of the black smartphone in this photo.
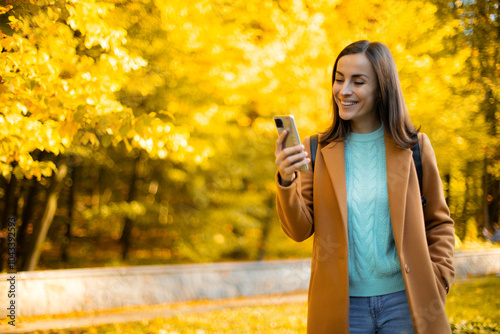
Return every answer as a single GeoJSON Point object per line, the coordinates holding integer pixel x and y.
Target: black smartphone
{"type": "Point", "coordinates": [292, 138]}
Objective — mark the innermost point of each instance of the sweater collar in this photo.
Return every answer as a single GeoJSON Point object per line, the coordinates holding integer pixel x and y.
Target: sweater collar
{"type": "Point", "coordinates": [366, 137]}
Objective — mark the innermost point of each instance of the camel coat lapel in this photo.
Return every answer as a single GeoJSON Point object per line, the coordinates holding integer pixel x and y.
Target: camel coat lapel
{"type": "Point", "coordinates": [334, 157]}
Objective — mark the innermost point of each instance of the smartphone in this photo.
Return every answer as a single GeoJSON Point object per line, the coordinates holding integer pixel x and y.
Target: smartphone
{"type": "Point", "coordinates": [292, 138]}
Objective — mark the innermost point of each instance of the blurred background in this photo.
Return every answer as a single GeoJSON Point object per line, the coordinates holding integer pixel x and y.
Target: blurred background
{"type": "Point", "coordinates": [137, 132]}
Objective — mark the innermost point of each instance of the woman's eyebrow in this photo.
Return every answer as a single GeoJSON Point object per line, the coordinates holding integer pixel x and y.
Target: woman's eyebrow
{"type": "Point", "coordinates": [354, 75]}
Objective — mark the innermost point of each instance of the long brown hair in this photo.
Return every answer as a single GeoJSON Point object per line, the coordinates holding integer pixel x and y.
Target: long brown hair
{"type": "Point", "coordinates": [391, 107]}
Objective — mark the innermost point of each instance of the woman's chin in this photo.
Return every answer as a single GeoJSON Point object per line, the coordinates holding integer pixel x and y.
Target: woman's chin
{"type": "Point", "coordinates": [345, 116]}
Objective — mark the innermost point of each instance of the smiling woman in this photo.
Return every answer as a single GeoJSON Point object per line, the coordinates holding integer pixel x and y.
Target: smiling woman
{"type": "Point", "coordinates": [375, 246]}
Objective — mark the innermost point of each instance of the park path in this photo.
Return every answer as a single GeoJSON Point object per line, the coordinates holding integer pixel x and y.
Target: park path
{"type": "Point", "coordinates": [148, 313]}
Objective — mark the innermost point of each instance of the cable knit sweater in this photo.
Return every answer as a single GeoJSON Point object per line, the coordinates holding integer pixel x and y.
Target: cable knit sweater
{"type": "Point", "coordinates": [373, 260]}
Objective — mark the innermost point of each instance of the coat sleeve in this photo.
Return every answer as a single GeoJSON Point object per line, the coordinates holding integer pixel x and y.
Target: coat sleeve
{"type": "Point", "coordinates": [294, 203]}
{"type": "Point", "coordinates": [438, 223]}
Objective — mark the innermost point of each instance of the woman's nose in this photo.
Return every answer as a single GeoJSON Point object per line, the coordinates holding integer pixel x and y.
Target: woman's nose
{"type": "Point", "coordinates": [346, 90]}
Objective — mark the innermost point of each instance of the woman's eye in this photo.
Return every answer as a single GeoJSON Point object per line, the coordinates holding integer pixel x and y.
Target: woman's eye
{"type": "Point", "coordinates": [359, 83]}
{"type": "Point", "coordinates": [339, 80]}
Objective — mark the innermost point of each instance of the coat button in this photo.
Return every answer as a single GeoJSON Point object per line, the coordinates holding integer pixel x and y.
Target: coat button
{"type": "Point", "coordinates": [407, 268]}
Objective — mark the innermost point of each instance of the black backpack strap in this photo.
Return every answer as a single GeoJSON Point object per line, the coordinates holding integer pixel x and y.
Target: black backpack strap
{"type": "Point", "coordinates": [314, 148]}
{"type": "Point", "coordinates": [417, 159]}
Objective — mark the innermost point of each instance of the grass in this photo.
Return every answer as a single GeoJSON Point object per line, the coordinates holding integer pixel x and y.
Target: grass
{"type": "Point", "coordinates": [472, 307]}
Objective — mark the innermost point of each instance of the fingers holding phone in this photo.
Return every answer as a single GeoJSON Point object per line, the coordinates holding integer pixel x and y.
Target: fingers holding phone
{"type": "Point", "coordinates": [290, 160]}
{"type": "Point", "coordinates": [281, 142]}
{"type": "Point", "coordinates": [290, 154]}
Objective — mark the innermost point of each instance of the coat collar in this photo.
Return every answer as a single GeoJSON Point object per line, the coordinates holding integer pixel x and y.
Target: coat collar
{"type": "Point", "coordinates": [398, 161]}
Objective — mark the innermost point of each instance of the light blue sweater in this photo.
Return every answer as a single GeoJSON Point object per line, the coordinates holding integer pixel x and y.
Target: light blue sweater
{"type": "Point", "coordinates": [373, 260]}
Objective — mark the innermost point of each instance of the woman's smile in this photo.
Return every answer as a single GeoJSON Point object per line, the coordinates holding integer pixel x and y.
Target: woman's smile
{"type": "Point", "coordinates": [348, 103]}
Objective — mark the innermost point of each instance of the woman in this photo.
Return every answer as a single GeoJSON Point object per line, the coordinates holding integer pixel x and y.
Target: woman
{"type": "Point", "coordinates": [382, 262]}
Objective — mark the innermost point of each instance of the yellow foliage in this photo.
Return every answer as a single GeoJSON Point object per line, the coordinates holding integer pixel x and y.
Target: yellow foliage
{"type": "Point", "coordinates": [196, 82]}
{"type": "Point", "coordinates": [59, 88]}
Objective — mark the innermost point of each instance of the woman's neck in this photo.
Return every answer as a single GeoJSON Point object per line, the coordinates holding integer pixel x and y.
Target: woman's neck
{"type": "Point", "coordinates": [366, 127]}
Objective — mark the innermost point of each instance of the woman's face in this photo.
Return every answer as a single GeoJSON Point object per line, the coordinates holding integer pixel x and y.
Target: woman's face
{"type": "Point", "coordinates": [355, 91]}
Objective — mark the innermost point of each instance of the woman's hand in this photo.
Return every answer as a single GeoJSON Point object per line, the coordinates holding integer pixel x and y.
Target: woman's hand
{"type": "Point", "coordinates": [289, 160]}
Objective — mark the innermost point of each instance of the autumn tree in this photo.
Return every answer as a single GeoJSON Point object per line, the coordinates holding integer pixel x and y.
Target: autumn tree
{"type": "Point", "coordinates": [62, 66]}
{"type": "Point", "coordinates": [482, 35]}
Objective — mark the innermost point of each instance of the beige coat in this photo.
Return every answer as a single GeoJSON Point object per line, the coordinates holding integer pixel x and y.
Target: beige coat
{"type": "Point", "coordinates": [424, 246]}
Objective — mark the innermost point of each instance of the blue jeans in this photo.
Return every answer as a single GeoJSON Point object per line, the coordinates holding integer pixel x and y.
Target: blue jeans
{"type": "Point", "coordinates": [385, 314]}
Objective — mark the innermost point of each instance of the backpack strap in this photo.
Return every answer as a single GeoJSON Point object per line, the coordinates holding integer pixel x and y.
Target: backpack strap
{"type": "Point", "coordinates": [417, 160]}
{"type": "Point", "coordinates": [314, 148]}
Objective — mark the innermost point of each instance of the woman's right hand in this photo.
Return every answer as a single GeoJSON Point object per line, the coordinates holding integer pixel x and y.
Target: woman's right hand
{"type": "Point", "coordinates": [289, 160]}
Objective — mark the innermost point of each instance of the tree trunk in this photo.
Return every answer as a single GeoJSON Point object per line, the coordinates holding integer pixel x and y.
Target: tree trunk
{"type": "Point", "coordinates": [71, 202]}
{"type": "Point", "coordinates": [23, 233]}
{"type": "Point", "coordinates": [447, 180]}
{"type": "Point", "coordinates": [486, 182]}
{"type": "Point", "coordinates": [40, 232]}
{"type": "Point", "coordinates": [494, 209]}
{"type": "Point", "coordinates": [266, 228]}
{"type": "Point", "coordinates": [129, 223]}
{"type": "Point", "coordinates": [10, 210]}
{"type": "Point", "coordinates": [477, 193]}
{"type": "Point", "coordinates": [462, 226]}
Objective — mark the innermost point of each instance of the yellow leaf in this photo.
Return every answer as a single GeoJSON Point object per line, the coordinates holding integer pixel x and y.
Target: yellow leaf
{"type": "Point", "coordinates": [5, 9]}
